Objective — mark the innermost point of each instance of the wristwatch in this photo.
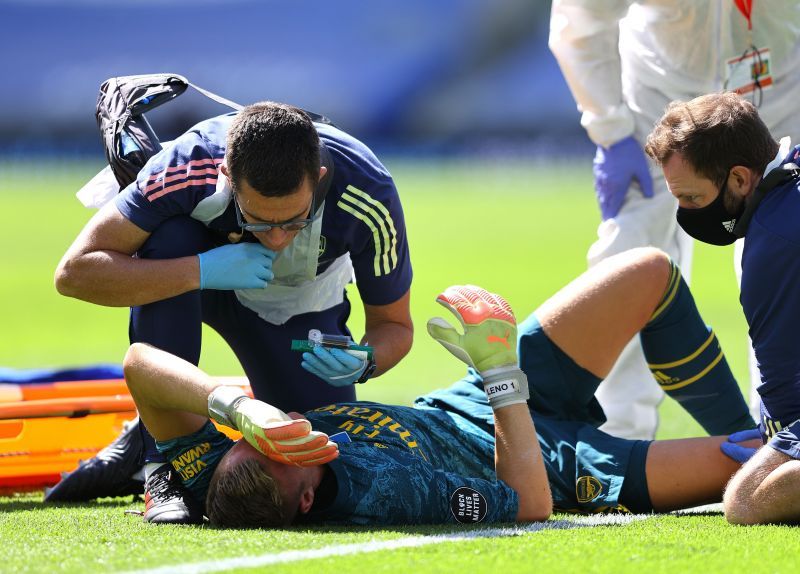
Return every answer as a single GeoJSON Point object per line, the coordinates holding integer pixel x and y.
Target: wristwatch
{"type": "Point", "coordinates": [367, 373]}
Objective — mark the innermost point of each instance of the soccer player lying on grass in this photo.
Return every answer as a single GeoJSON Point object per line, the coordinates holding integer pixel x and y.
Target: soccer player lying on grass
{"type": "Point", "coordinates": [471, 452]}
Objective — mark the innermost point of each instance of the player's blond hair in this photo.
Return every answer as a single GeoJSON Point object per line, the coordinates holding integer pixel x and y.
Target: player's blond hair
{"type": "Point", "coordinates": [244, 496]}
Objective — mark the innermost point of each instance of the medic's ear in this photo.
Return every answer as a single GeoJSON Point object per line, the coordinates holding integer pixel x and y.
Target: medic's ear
{"type": "Point", "coordinates": [325, 174]}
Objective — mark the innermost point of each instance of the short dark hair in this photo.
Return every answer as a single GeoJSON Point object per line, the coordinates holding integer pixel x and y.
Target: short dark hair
{"type": "Point", "coordinates": [244, 496]}
{"type": "Point", "coordinates": [713, 133]}
{"type": "Point", "coordinates": [273, 147]}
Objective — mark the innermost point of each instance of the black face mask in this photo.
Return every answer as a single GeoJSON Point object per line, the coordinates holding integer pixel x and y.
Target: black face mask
{"type": "Point", "coordinates": [713, 223]}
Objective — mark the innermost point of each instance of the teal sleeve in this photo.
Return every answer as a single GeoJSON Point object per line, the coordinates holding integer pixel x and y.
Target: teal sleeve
{"type": "Point", "coordinates": [196, 456]}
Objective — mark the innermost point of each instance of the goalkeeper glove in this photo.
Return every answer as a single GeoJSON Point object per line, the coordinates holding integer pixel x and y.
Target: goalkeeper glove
{"type": "Point", "coordinates": [488, 343]}
{"type": "Point", "coordinates": [270, 430]}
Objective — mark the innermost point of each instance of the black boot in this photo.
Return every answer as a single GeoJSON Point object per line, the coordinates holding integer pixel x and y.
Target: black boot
{"type": "Point", "coordinates": [167, 501]}
{"type": "Point", "coordinates": [106, 474]}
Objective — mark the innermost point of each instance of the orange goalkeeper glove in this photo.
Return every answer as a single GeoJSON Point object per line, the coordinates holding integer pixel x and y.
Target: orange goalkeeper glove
{"type": "Point", "coordinates": [269, 430]}
{"type": "Point", "coordinates": [488, 342]}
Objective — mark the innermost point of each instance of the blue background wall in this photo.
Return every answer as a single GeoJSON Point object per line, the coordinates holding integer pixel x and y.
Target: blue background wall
{"type": "Point", "coordinates": [417, 74]}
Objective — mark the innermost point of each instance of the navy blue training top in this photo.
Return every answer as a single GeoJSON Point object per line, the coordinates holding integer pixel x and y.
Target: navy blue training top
{"type": "Point", "coordinates": [770, 298]}
{"type": "Point", "coordinates": [362, 214]}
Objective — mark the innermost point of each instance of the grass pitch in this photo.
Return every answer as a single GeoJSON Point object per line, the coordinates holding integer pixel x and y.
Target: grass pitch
{"type": "Point", "coordinates": [519, 230]}
{"type": "Point", "coordinates": [101, 538]}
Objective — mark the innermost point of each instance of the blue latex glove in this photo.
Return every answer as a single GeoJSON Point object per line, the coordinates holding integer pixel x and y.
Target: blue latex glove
{"type": "Point", "coordinates": [335, 366]}
{"type": "Point", "coordinates": [615, 168]}
{"type": "Point", "coordinates": [738, 452]}
{"type": "Point", "coordinates": [236, 266]}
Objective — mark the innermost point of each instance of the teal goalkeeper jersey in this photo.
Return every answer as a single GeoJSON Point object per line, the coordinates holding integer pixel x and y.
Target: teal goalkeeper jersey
{"type": "Point", "coordinates": [407, 465]}
{"type": "Point", "coordinates": [402, 465]}
{"type": "Point", "coordinates": [432, 463]}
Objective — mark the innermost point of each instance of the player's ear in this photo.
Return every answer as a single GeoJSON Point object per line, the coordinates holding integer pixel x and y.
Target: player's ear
{"type": "Point", "coordinates": [306, 499]}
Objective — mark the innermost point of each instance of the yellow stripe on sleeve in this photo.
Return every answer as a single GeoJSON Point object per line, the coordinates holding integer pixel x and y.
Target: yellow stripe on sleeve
{"type": "Point", "coordinates": [387, 217]}
{"type": "Point", "coordinates": [375, 233]}
{"type": "Point", "coordinates": [380, 222]}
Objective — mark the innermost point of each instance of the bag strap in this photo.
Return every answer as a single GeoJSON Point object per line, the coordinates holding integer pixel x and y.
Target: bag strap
{"type": "Point", "coordinates": [216, 98]}
{"type": "Point", "coordinates": [129, 140]}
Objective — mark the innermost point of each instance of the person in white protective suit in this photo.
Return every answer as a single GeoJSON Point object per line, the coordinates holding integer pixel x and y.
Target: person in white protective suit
{"type": "Point", "coordinates": [624, 62]}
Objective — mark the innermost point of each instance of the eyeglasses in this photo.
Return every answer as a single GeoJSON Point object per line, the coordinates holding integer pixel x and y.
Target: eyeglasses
{"type": "Point", "coordinates": [291, 226]}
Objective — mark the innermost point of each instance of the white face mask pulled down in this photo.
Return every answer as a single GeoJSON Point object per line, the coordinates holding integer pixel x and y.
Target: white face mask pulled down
{"type": "Point", "coordinates": [296, 287]}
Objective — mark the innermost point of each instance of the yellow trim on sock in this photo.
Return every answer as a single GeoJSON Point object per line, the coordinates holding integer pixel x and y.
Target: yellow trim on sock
{"type": "Point", "coordinates": [672, 288]}
{"type": "Point", "coordinates": [685, 360]}
{"type": "Point", "coordinates": [699, 375]}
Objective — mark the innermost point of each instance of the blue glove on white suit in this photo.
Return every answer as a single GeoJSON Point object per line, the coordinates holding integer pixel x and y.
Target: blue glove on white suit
{"type": "Point", "coordinates": [738, 452]}
{"type": "Point", "coordinates": [336, 367]}
{"type": "Point", "coordinates": [615, 168]}
{"type": "Point", "coordinates": [236, 266]}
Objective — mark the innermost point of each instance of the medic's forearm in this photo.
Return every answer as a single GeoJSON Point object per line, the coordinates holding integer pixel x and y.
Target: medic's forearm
{"type": "Point", "coordinates": [115, 279]}
{"type": "Point", "coordinates": [391, 341]}
{"type": "Point", "coordinates": [390, 331]}
{"type": "Point", "coordinates": [99, 266]}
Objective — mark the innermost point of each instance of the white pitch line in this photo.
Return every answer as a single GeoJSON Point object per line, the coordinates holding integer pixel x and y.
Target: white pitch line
{"type": "Point", "coordinates": [706, 508]}
{"type": "Point", "coordinates": [367, 547]}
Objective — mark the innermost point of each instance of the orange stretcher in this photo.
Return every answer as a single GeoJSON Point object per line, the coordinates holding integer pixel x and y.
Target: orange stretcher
{"type": "Point", "coordinates": [47, 428]}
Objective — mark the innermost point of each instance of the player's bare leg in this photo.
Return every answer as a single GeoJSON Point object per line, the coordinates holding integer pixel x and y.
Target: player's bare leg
{"type": "Point", "coordinates": [593, 317]}
{"type": "Point", "coordinates": [641, 291]}
{"type": "Point", "coordinates": [688, 472]}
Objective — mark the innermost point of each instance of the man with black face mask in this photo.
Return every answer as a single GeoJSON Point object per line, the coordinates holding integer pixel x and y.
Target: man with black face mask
{"type": "Point", "coordinates": [733, 180]}
{"type": "Point", "coordinates": [714, 223]}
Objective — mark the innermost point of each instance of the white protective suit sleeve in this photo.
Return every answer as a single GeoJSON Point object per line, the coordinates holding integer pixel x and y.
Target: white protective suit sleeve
{"type": "Point", "coordinates": [584, 38]}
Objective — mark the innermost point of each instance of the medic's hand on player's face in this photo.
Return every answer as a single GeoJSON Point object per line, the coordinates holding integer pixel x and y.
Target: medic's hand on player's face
{"type": "Point", "coordinates": [738, 452]}
{"type": "Point", "coordinates": [337, 367]}
{"type": "Point", "coordinates": [615, 168]}
{"type": "Point", "coordinates": [236, 266]}
{"type": "Point", "coordinates": [269, 430]}
{"type": "Point", "coordinates": [488, 342]}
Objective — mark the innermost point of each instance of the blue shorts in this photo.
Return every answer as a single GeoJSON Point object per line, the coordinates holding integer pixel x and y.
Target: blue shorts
{"type": "Point", "coordinates": [560, 388]}
{"type": "Point", "coordinates": [787, 440]}
{"type": "Point", "coordinates": [782, 434]}
{"type": "Point", "coordinates": [597, 472]}
{"type": "Point", "coordinates": [588, 470]}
